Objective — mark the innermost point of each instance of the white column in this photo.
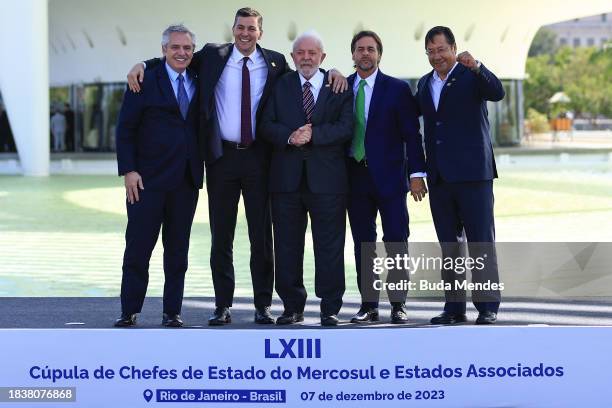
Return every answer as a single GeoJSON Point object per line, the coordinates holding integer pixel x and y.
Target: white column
{"type": "Point", "coordinates": [24, 80]}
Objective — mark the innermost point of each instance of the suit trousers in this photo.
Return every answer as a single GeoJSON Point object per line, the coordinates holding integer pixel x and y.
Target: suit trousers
{"type": "Point", "coordinates": [364, 204]}
{"type": "Point", "coordinates": [172, 212]}
{"type": "Point", "coordinates": [328, 217]}
{"type": "Point", "coordinates": [468, 205]}
{"type": "Point", "coordinates": [240, 171]}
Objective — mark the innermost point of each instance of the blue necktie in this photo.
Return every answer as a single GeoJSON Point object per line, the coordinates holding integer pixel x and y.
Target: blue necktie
{"type": "Point", "coordinates": [183, 99]}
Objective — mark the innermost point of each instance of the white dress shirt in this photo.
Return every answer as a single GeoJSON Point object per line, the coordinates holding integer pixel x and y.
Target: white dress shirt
{"type": "Point", "coordinates": [228, 92]}
{"type": "Point", "coordinates": [189, 85]}
{"type": "Point", "coordinates": [436, 85]}
{"type": "Point", "coordinates": [316, 82]}
{"type": "Point", "coordinates": [368, 90]}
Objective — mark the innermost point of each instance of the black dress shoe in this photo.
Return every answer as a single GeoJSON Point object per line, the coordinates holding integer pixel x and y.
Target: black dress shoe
{"type": "Point", "coordinates": [221, 316]}
{"type": "Point", "coordinates": [449, 318]}
{"type": "Point", "coordinates": [290, 318]}
{"type": "Point", "coordinates": [365, 314]}
{"type": "Point", "coordinates": [487, 317]}
{"type": "Point", "coordinates": [331, 320]}
{"type": "Point", "coordinates": [399, 315]}
{"type": "Point", "coordinates": [172, 320]}
{"type": "Point", "coordinates": [263, 315]}
{"type": "Point", "coordinates": [126, 320]}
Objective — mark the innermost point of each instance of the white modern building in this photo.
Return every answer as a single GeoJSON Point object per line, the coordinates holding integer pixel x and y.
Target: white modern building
{"type": "Point", "coordinates": [592, 31]}
{"type": "Point", "coordinates": [82, 50]}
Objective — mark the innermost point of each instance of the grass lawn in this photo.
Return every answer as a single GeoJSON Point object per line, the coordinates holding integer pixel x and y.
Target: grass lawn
{"type": "Point", "coordinates": [63, 235]}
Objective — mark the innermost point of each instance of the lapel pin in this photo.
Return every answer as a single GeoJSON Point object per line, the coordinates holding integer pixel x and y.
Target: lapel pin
{"type": "Point", "coordinates": [449, 84]}
{"type": "Point", "coordinates": [273, 64]}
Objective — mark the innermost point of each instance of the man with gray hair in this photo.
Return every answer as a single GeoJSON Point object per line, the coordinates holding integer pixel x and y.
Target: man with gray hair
{"type": "Point", "coordinates": [158, 155]}
{"type": "Point", "coordinates": [309, 126]}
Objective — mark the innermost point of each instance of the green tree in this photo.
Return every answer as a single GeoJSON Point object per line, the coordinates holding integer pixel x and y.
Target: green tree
{"type": "Point", "coordinates": [544, 42]}
{"type": "Point", "coordinates": [582, 73]}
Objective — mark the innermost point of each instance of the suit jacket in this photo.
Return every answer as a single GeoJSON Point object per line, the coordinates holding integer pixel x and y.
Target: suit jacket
{"type": "Point", "coordinates": [323, 159]}
{"type": "Point", "coordinates": [393, 144]}
{"type": "Point", "coordinates": [209, 63]}
{"type": "Point", "coordinates": [154, 139]}
{"type": "Point", "coordinates": [457, 138]}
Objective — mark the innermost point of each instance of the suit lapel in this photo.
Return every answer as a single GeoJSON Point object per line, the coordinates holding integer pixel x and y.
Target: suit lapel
{"type": "Point", "coordinates": [450, 83]}
{"type": "Point", "coordinates": [297, 94]}
{"type": "Point", "coordinates": [426, 97]}
{"type": "Point", "coordinates": [225, 52]}
{"type": "Point", "coordinates": [268, 85]}
{"type": "Point", "coordinates": [163, 81]}
{"type": "Point", "coordinates": [319, 108]}
{"type": "Point", "coordinates": [377, 97]}
{"type": "Point", "coordinates": [196, 90]}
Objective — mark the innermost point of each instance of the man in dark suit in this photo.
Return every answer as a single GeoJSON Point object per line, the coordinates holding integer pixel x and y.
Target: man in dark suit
{"type": "Point", "coordinates": [308, 126]}
{"type": "Point", "coordinates": [158, 155]}
{"type": "Point", "coordinates": [237, 161]}
{"type": "Point", "coordinates": [460, 166]}
{"type": "Point", "coordinates": [386, 156]}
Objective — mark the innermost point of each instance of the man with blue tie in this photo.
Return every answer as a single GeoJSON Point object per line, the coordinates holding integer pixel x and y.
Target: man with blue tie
{"type": "Point", "coordinates": [460, 167]}
{"type": "Point", "coordinates": [158, 155]}
{"type": "Point", "coordinates": [386, 155]}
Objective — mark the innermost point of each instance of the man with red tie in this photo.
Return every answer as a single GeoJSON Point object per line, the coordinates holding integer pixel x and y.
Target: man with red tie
{"type": "Point", "coordinates": [235, 80]}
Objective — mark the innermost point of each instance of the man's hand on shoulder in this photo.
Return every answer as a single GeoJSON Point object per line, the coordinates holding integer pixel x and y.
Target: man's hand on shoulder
{"type": "Point", "coordinates": [135, 77]}
{"type": "Point", "coordinates": [133, 182]}
{"type": "Point", "coordinates": [337, 81]}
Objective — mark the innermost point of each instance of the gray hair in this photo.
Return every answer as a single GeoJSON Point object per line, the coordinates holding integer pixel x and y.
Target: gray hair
{"type": "Point", "coordinates": [312, 34]}
{"type": "Point", "coordinates": [176, 28]}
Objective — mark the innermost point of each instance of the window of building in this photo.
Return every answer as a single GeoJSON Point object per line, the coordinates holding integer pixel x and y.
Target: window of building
{"type": "Point", "coordinates": [576, 42]}
{"type": "Point", "coordinates": [604, 17]}
{"type": "Point", "coordinates": [590, 42]}
{"type": "Point", "coordinates": [604, 40]}
{"type": "Point", "coordinates": [563, 41]}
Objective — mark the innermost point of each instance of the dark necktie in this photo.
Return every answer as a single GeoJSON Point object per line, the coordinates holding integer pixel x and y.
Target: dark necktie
{"type": "Point", "coordinates": [246, 128]}
{"type": "Point", "coordinates": [181, 97]}
{"type": "Point", "coordinates": [308, 99]}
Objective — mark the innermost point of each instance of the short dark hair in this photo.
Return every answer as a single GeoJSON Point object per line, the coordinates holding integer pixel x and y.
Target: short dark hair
{"type": "Point", "coordinates": [249, 12]}
{"type": "Point", "coordinates": [448, 34]}
{"type": "Point", "coordinates": [366, 33]}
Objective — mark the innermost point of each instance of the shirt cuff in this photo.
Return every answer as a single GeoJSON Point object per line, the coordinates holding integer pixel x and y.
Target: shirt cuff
{"type": "Point", "coordinates": [144, 65]}
{"type": "Point", "coordinates": [419, 174]}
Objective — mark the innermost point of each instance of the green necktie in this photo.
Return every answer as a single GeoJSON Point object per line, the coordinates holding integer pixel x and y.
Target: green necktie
{"type": "Point", "coordinates": [359, 134]}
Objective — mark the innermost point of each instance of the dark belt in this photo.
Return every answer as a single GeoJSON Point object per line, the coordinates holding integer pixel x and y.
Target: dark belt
{"type": "Point", "coordinates": [236, 146]}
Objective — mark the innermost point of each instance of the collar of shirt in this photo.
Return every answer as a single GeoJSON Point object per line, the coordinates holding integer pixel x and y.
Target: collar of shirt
{"type": "Point", "coordinates": [316, 82]}
{"type": "Point", "coordinates": [254, 58]}
{"type": "Point", "coordinates": [370, 81]}
{"type": "Point", "coordinates": [437, 84]}
{"type": "Point", "coordinates": [436, 77]}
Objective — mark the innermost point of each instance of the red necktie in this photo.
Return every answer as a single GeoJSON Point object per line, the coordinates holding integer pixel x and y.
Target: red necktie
{"type": "Point", "coordinates": [246, 128]}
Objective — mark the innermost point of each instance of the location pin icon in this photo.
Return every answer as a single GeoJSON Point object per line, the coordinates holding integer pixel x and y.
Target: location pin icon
{"type": "Point", "coordinates": [147, 394]}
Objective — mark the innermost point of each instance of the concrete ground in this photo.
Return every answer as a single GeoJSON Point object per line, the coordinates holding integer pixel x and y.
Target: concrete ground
{"type": "Point", "coordinates": [100, 312]}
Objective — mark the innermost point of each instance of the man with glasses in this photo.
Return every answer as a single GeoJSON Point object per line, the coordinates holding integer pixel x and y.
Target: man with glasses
{"type": "Point", "coordinates": [460, 167]}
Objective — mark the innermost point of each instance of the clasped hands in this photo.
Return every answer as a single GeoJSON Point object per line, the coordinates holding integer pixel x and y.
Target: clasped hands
{"type": "Point", "coordinates": [301, 136]}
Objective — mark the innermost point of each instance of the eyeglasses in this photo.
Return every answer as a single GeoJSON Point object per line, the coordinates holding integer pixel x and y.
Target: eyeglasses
{"type": "Point", "coordinates": [441, 50]}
